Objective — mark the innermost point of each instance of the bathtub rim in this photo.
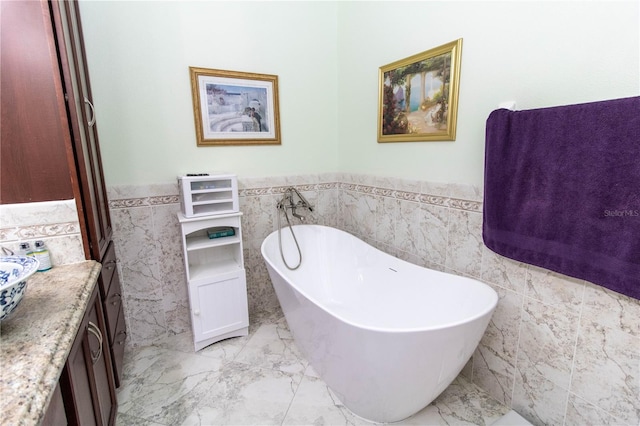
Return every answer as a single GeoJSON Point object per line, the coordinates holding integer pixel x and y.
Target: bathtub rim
{"type": "Point", "coordinates": [487, 311]}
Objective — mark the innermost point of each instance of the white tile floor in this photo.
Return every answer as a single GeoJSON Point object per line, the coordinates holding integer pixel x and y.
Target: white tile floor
{"type": "Point", "coordinates": [260, 379]}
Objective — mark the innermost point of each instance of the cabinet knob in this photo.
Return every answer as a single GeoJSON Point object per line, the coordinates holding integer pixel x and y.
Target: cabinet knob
{"type": "Point", "coordinates": [116, 297]}
{"type": "Point", "coordinates": [110, 264]}
{"type": "Point", "coordinates": [196, 312]}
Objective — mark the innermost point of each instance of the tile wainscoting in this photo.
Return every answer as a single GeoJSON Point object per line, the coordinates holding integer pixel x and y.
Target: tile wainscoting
{"type": "Point", "coordinates": [558, 350]}
{"type": "Point", "coordinates": [54, 222]}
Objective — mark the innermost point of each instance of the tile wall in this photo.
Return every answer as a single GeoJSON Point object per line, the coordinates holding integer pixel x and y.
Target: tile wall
{"type": "Point", "coordinates": [558, 350]}
{"type": "Point", "coordinates": [54, 222]}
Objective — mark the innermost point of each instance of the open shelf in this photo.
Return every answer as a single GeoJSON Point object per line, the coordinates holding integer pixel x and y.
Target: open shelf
{"type": "Point", "coordinates": [208, 195]}
{"type": "Point", "coordinates": [211, 183]}
{"type": "Point", "coordinates": [199, 241]}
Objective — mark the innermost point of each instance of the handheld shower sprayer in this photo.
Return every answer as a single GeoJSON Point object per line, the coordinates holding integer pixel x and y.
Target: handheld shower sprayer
{"type": "Point", "coordinates": [287, 203]}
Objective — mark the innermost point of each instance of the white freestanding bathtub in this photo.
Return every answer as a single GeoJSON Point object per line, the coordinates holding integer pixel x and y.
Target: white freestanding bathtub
{"type": "Point", "coordinates": [387, 336]}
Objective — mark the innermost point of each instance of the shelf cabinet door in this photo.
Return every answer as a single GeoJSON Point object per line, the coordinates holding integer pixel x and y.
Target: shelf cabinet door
{"type": "Point", "coordinates": [87, 383]}
{"type": "Point", "coordinates": [220, 306]}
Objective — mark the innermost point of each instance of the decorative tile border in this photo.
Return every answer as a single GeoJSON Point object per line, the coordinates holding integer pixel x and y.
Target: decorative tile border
{"type": "Point", "coordinates": [418, 197]}
{"type": "Point", "coordinates": [31, 232]}
{"type": "Point", "coordinates": [126, 203]}
{"type": "Point", "coordinates": [277, 190]}
{"type": "Point", "coordinates": [472, 206]}
{"type": "Point", "coordinates": [29, 221]}
{"type": "Point", "coordinates": [55, 222]}
{"type": "Point", "coordinates": [164, 199]}
{"type": "Point", "coordinates": [436, 200]}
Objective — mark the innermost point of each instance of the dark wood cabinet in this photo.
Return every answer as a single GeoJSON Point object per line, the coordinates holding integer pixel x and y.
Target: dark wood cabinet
{"type": "Point", "coordinates": [55, 415]}
{"type": "Point", "coordinates": [36, 150]}
{"type": "Point", "coordinates": [50, 148]}
{"type": "Point", "coordinates": [87, 379]}
{"type": "Point", "coordinates": [93, 205]}
{"type": "Point", "coordinates": [117, 347]}
{"type": "Point", "coordinates": [111, 293]}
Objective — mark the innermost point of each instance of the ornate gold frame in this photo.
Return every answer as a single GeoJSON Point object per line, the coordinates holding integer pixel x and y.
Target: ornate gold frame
{"type": "Point", "coordinates": [238, 108]}
{"type": "Point", "coordinates": [433, 119]}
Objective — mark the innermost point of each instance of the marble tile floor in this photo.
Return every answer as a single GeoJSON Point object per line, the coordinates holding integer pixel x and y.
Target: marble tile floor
{"type": "Point", "coordinates": [259, 379]}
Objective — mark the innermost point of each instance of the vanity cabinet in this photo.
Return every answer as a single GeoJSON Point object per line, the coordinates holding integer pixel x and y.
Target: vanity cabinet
{"type": "Point", "coordinates": [50, 149]}
{"type": "Point", "coordinates": [87, 378]}
{"type": "Point", "coordinates": [55, 414]}
{"type": "Point", "coordinates": [216, 278]}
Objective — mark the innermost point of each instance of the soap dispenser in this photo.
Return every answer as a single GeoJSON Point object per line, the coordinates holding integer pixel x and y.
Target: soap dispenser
{"type": "Point", "coordinates": [42, 254]}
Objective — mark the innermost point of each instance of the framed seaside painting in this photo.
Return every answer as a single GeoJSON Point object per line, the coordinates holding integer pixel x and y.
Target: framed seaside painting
{"type": "Point", "coordinates": [235, 108]}
{"type": "Point", "coordinates": [418, 96]}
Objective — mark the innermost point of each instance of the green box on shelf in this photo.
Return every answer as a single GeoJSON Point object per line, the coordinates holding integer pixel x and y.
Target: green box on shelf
{"type": "Point", "coordinates": [223, 231]}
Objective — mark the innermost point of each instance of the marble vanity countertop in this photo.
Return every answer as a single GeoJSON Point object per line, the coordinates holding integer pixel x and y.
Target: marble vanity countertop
{"type": "Point", "coordinates": [36, 339]}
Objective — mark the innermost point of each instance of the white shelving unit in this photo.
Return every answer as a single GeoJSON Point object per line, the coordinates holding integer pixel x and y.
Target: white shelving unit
{"type": "Point", "coordinates": [208, 195]}
{"type": "Point", "coordinates": [215, 272]}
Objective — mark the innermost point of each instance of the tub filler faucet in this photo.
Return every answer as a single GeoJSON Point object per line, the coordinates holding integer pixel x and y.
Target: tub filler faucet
{"type": "Point", "coordinates": [287, 203]}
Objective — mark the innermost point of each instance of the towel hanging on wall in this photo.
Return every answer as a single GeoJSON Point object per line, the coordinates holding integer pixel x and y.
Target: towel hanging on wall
{"type": "Point", "coordinates": [562, 190]}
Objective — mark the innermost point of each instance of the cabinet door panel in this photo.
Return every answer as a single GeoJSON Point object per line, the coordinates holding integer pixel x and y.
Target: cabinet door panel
{"type": "Point", "coordinates": [76, 382]}
{"type": "Point", "coordinates": [81, 385]}
{"type": "Point", "coordinates": [98, 346]}
{"type": "Point", "coordinates": [109, 268]}
{"type": "Point", "coordinates": [220, 306]}
{"type": "Point", "coordinates": [35, 151]}
{"type": "Point", "coordinates": [83, 128]}
{"type": "Point", "coordinates": [87, 379]}
{"type": "Point", "coordinates": [55, 415]}
{"type": "Point", "coordinates": [117, 347]}
{"type": "Point", "coordinates": [112, 306]}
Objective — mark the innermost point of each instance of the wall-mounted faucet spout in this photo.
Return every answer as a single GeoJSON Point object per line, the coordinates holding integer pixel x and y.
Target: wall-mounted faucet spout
{"type": "Point", "coordinates": [298, 215]}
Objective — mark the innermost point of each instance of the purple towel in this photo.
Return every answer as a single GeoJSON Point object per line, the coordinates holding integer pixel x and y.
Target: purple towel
{"type": "Point", "coordinates": [562, 190]}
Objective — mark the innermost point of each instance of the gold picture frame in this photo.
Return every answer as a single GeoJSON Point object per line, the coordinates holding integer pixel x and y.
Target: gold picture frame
{"type": "Point", "coordinates": [235, 108]}
{"type": "Point", "coordinates": [431, 115]}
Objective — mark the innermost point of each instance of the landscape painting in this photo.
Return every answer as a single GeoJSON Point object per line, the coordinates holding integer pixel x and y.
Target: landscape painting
{"type": "Point", "coordinates": [418, 96]}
